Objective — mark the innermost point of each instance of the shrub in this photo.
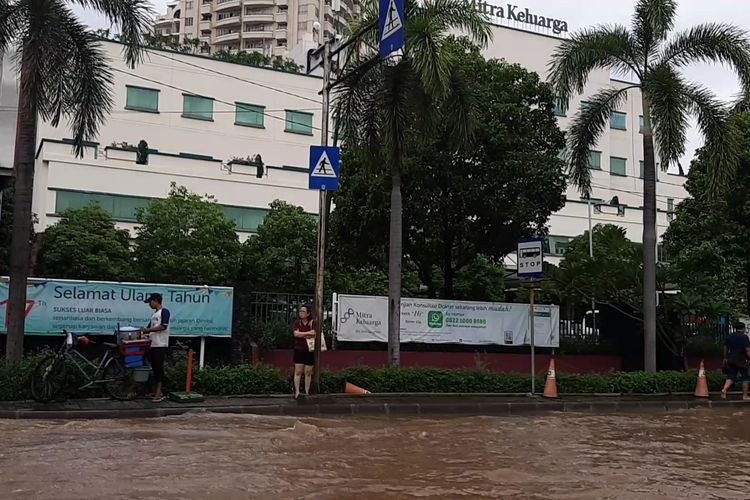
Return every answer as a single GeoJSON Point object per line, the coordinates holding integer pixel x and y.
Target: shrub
{"type": "Point", "coordinates": [249, 379]}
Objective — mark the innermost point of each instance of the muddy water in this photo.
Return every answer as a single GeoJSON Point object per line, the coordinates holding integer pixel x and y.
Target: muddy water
{"type": "Point", "coordinates": [696, 454]}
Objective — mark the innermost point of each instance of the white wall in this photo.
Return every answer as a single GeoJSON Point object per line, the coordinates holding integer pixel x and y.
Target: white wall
{"type": "Point", "coordinates": [169, 132]}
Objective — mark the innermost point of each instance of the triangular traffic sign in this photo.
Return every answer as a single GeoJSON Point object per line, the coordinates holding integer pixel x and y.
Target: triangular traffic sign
{"type": "Point", "coordinates": [323, 167]}
{"type": "Point", "coordinates": [393, 21]}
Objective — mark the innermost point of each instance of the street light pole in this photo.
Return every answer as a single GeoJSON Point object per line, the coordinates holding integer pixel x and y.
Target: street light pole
{"type": "Point", "coordinates": [322, 217]}
{"type": "Point", "coordinates": [591, 254]}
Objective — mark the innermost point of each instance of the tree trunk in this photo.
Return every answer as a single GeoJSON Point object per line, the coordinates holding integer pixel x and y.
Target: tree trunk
{"type": "Point", "coordinates": [395, 256]}
{"type": "Point", "coordinates": [747, 289]}
{"type": "Point", "coordinates": [448, 275]}
{"type": "Point", "coordinates": [649, 242]}
{"type": "Point", "coordinates": [20, 249]}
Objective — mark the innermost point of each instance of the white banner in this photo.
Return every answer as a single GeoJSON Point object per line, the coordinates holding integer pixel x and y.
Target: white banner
{"type": "Point", "coordinates": [365, 319]}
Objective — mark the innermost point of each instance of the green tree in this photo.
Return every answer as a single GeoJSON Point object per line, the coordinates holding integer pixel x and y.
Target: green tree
{"type": "Point", "coordinates": [481, 280]}
{"type": "Point", "coordinates": [64, 73]}
{"type": "Point", "coordinates": [282, 256]}
{"type": "Point", "coordinates": [707, 243]}
{"type": "Point", "coordinates": [653, 59]}
{"type": "Point", "coordinates": [85, 245]}
{"type": "Point", "coordinates": [378, 105]}
{"type": "Point", "coordinates": [459, 204]}
{"type": "Point", "coordinates": [186, 238]}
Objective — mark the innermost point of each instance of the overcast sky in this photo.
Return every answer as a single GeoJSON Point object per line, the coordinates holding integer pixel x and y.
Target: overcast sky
{"type": "Point", "coordinates": [582, 13]}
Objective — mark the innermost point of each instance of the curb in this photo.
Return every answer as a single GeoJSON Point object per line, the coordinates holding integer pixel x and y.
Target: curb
{"type": "Point", "coordinates": [385, 409]}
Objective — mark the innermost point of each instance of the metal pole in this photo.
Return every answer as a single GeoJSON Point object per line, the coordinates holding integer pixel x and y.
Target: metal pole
{"type": "Point", "coordinates": [591, 254]}
{"type": "Point", "coordinates": [533, 351]}
{"type": "Point", "coordinates": [322, 218]}
{"type": "Point", "coordinates": [202, 355]}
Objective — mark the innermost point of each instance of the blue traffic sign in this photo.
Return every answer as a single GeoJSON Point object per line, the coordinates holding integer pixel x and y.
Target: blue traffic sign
{"type": "Point", "coordinates": [390, 27]}
{"type": "Point", "coordinates": [324, 168]}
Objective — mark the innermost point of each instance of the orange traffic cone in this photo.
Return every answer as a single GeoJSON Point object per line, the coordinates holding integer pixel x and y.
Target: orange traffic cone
{"type": "Point", "coordinates": [550, 386]}
{"type": "Point", "coordinates": [353, 389]}
{"type": "Point", "coordinates": [701, 386]}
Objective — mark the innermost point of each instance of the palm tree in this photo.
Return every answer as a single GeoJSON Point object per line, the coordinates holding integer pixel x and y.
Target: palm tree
{"type": "Point", "coordinates": [378, 105]}
{"type": "Point", "coordinates": [63, 74]}
{"type": "Point", "coordinates": [652, 57]}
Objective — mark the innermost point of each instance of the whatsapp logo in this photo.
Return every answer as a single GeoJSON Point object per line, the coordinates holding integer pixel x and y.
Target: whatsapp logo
{"type": "Point", "coordinates": [435, 319]}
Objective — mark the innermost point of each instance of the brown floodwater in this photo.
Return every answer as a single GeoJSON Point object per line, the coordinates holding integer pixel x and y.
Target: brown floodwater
{"type": "Point", "coordinates": [695, 454]}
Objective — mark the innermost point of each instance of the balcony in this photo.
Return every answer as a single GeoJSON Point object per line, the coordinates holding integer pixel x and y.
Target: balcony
{"type": "Point", "coordinates": [279, 34]}
{"type": "Point", "coordinates": [282, 3]}
{"type": "Point", "coordinates": [280, 17]}
{"type": "Point", "coordinates": [279, 51]}
{"type": "Point", "coordinates": [262, 2]}
{"type": "Point", "coordinates": [264, 18]}
{"type": "Point", "coordinates": [222, 5]}
{"type": "Point", "coordinates": [257, 35]}
{"type": "Point", "coordinates": [205, 25]}
{"type": "Point", "coordinates": [227, 37]}
{"type": "Point", "coordinates": [227, 21]}
{"type": "Point", "coordinates": [205, 8]}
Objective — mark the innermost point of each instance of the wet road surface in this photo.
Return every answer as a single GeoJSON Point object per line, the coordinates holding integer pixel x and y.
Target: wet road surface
{"type": "Point", "coordinates": [694, 454]}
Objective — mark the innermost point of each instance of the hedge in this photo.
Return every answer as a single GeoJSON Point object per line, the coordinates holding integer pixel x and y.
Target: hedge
{"type": "Point", "coordinates": [248, 379]}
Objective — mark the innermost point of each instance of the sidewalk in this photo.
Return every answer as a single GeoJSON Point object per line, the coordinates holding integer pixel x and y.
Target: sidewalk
{"type": "Point", "coordinates": [373, 405]}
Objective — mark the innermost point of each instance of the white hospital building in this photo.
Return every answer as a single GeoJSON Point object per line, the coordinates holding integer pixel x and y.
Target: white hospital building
{"type": "Point", "coordinates": [197, 114]}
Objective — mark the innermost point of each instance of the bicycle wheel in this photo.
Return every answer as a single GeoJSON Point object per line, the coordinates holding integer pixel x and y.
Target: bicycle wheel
{"type": "Point", "coordinates": [119, 381]}
{"type": "Point", "coordinates": [48, 378]}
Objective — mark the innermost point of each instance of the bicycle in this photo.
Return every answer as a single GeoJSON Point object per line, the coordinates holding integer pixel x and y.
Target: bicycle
{"type": "Point", "coordinates": [50, 375]}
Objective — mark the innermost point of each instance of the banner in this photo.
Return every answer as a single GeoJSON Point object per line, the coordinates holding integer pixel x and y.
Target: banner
{"type": "Point", "coordinates": [98, 307]}
{"type": "Point", "coordinates": [365, 319]}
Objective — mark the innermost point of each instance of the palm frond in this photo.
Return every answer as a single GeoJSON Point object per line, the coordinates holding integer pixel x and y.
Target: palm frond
{"type": "Point", "coordinates": [722, 146]}
{"type": "Point", "coordinates": [584, 132]}
{"type": "Point", "coordinates": [669, 112]}
{"type": "Point", "coordinates": [457, 15]}
{"type": "Point", "coordinates": [133, 18]}
{"type": "Point", "coordinates": [460, 104]}
{"type": "Point", "coordinates": [426, 48]}
{"type": "Point", "coordinates": [11, 22]}
{"type": "Point", "coordinates": [81, 87]}
{"type": "Point", "coordinates": [714, 43]}
{"type": "Point", "coordinates": [602, 47]}
{"type": "Point", "coordinates": [653, 20]}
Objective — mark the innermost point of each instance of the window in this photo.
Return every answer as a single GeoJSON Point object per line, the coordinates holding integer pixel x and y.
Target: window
{"type": "Point", "coordinates": [561, 107]}
{"type": "Point", "coordinates": [302, 27]}
{"type": "Point", "coordinates": [640, 124]}
{"type": "Point", "coordinates": [188, 21]}
{"type": "Point", "coordinates": [245, 219]}
{"type": "Point", "coordinates": [618, 120]}
{"type": "Point", "coordinates": [142, 99]}
{"type": "Point", "coordinates": [556, 245]}
{"type": "Point", "coordinates": [124, 208]}
{"type": "Point", "coordinates": [249, 115]}
{"type": "Point", "coordinates": [189, 5]}
{"type": "Point", "coordinates": [197, 107]}
{"type": "Point", "coordinates": [298, 122]}
{"type": "Point", "coordinates": [595, 160]}
{"type": "Point", "coordinates": [562, 155]}
{"type": "Point", "coordinates": [670, 209]}
{"type": "Point", "coordinates": [618, 166]}
{"type": "Point", "coordinates": [641, 173]}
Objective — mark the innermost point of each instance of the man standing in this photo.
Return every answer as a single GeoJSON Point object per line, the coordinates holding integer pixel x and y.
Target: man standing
{"type": "Point", "coordinates": [158, 332]}
{"type": "Point", "coordinates": [736, 355]}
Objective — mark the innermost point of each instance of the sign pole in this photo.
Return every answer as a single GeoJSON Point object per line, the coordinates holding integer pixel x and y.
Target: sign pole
{"type": "Point", "coordinates": [322, 219]}
{"type": "Point", "coordinates": [531, 330]}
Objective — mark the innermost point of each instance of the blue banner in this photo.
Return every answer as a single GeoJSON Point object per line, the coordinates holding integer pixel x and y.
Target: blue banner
{"type": "Point", "coordinates": [98, 307]}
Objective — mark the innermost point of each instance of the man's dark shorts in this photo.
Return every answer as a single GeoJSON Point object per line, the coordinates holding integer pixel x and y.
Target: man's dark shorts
{"type": "Point", "coordinates": [737, 373]}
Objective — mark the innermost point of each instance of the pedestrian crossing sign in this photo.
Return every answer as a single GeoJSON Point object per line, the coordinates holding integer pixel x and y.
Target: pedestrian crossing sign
{"type": "Point", "coordinates": [390, 27]}
{"type": "Point", "coordinates": [324, 168]}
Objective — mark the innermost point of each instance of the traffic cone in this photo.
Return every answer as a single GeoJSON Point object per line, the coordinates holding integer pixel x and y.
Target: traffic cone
{"type": "Point", "coordinates": [353, 389]}
{"type": "Point", "coordinates": [701, 386]}
{"type": "Point", "coordinates": [550, 385]}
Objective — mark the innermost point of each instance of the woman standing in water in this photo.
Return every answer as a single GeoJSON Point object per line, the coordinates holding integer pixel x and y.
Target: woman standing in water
{"type": "Point", "coordinates": [304, 360]}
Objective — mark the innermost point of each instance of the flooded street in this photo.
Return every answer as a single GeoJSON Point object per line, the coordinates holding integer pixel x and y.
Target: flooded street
{"type": "Point", "coordinates": [695, 454]}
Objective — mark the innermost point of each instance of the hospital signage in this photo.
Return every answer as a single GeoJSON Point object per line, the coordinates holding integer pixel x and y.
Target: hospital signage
{"type": "Point", "coordinates": [510, 12]}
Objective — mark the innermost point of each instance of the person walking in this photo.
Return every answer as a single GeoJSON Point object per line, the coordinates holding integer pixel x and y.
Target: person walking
{"type": "Point", "coordinates": [736, 355]}
{"type": "Point", "coordinates": [158, 332]}
{"type": "Point", "coordinates": [304, 359]}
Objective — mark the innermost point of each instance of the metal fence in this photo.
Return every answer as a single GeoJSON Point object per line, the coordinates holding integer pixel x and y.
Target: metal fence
{"type": "Point", "coordinates": [266, 306]}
